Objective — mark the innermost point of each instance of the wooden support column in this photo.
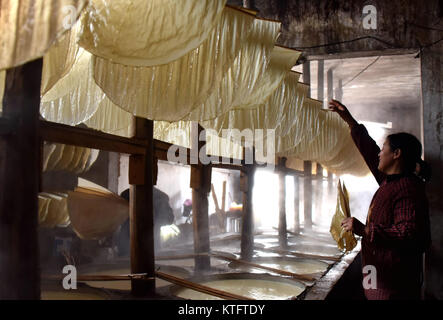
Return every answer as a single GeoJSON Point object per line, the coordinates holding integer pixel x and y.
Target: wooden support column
{"type": "Point", "coordinates": [320, 96]}
{"type": "Point", "coordinates": [246, 186]}
{"type": "Point", "coordinates": [141, 215]}
{"type": "Point", "coordinates": [296, 204]}
{"type": "Point", "coordinates": [201, 186]}
{"type": "Point", "coordinates": [307, 184]}
{"type": "Point", "coordinates": [319, 189]}
{"type": "Point", "coordinates": [330, 85]}
{"type": "Point", "coordinates": [339, 91]}
{"type": "Point", "coordinates": [321, 81]}
{"type": "Point", "coordinates": [19, 184]}
{"type": "Point", "coordinates": [282, 227]}
{"type": "Point", "coordinates": [307, 75]}
{"type": "Point", "coordinates": [330, 184]}
{"type": "Point", "coordinates": [432, 103]}
{"type": "Point", "coordinates": [113, 171]}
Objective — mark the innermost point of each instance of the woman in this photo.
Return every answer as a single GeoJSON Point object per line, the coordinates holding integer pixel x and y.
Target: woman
{"type": "Point", "coordinates": [397, 230]}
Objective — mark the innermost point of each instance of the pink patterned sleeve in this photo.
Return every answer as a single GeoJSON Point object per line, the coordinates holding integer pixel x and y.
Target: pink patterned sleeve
{"type": "Point", "coordinates": [368, 149]}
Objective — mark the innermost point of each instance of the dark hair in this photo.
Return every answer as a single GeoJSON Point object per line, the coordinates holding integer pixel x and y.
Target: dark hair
{"type": "Point", "coordinates": [411, 149]}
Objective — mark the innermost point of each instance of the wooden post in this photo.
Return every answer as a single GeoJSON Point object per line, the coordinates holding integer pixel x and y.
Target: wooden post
{"type": "Point", "coordinates": [142, 211]}
{"type": "Point", "coordinates": [113, 171]}
{"type": "Point", "coordinates": [431, 62]}
{"type": "Point", "coordinates": [282, 227]}
{"type": "Point", "coordinates": [339, 91]}
{"type": "Point", "coordinates": [330, 184]}
{"type": "Point", "coordinates": [319, 189]}
{"type": "Point", "coordinates": [307, 182]}
{"type": "Point", "coordinates": [321, 81]}
{"type": "Point", "coordinates": [296, 204]}
{"type": "Point", "coordinates": [19, 183]}
{"type": "Point", "coordinates": [201, 186]}
{"type": "Point", "coordinates": [307, 75]}
{"type": "Point", "coordinates": [330, 79]}
{"type": "Point", "coordinates": [246, 186]}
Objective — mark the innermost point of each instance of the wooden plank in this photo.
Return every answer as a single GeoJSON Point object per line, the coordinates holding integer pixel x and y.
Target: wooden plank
{"type": "Point", "coordinates": [85, 137]}
{"type": "Point", "coordinates": [292, 172]}
{"type": "Point", "coordinates": [259, 266]}
{"type": "Point", "coordinates": [19, 183]}
{"type": "Point", "coordinates": [199, 287]}
{"type": "Point", "coordinates": [141, 215]}
{"type": "Point", "coordinates": [246, 186]}
{"type": "Point", "coordinates": [323, 286]}
{"type": "Point", "coordinates": [201, 186]}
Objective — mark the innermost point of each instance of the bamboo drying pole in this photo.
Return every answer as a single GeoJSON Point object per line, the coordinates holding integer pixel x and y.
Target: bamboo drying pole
{"type": "Point", "coordinates": [259, 266]}
{"type": "Point", "coordinates": [200, 287]}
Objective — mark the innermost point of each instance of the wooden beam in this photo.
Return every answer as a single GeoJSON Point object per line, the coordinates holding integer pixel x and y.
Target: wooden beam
{"type": "Point", "coordinates": [161, 149]}
{"type": "Point", "coordinates": [307, 184]}
{"type": "Point", "coordinates": [292, 172]}
{"type": "Point", "coordinates": [227, 166]}
{"type": "Point", "coordinates": [141, 217]}
{"type": "Point", "coordinates": [19, 183]}
{"type": "Point", "coordinates": [246, 186]}
{"type": "Point", "coordinates": [201, 186]}
{"type": "Point", "coordinates": [282, 227]}
{"type": "Point", "coordinates": [85, 137]}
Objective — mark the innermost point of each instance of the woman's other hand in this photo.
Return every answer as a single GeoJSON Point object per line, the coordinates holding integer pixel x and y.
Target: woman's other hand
{"type": "Point", "coordinates": [353, 225]}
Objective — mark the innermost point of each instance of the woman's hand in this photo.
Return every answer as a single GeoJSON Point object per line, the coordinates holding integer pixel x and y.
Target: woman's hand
{"type": "Point", "coordinates": [347, 224]}
{"type": "Point", "coordinates": [342, 111]}
{"type": "Point", "coordinates": [353, 225]}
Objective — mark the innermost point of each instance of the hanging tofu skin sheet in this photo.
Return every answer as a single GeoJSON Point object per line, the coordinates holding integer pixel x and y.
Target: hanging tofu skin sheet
{"type": "Point", "coordinates": [345, 239]}
{"type": "Point", "coordinates": [244, 76]}
{"type": "Point", "coordinates": [75, 97]}
{"type": "Point", "coordinates": [282, 60]}
{"type": "Point", "coordinates": [59, 59]}
{"type": "Point", "coordinates": [147, 33]}
{"type": "Point", "coordinates": [29, 27]}
{"type": "Point", "coordinates": [284, 103]}
{"type": "Point", "coordinates": [96, 214]}
{"type": "Point", "coordinates": [169, 92]}
{"type": "Point", "coordinates": [179, 133]}
{"type": "Point", "coordinates": [111, 119]}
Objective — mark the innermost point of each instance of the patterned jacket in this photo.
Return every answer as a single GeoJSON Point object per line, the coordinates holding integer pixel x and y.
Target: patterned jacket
{"type": "Point", "coordinates": [399, 229]}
